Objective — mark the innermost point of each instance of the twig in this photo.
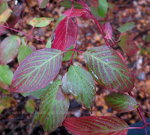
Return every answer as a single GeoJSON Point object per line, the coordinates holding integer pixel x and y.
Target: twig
{"type": "Point", "coordinates": [25, 34]}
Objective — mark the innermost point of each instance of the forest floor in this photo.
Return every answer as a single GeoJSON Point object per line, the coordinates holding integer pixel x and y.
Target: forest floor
{"type": "Point", "coordinates": [15, 120]}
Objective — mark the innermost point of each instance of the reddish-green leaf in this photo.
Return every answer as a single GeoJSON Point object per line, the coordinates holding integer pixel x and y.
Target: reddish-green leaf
{"type": "Point", "coordinates": [106, 65]}
{"type": "Point", "coordinates": [37, 70]}
{"type": "Point", "coordinates": [9, 49]}
{"type": "Point", "coordinates": [128, 45]}
{"type": "Point", "coordinates": [95, 125]}
{"type": "Point", "coordinates": [121, 102]}
{"type": "Point", "coordinates": [53, 108]}
{"type": "Point", "coordinates": [80, 83]}
{"type": "Point", "coordinates": [65, 34]}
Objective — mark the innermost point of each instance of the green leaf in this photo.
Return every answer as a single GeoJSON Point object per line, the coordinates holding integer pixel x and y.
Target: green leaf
{"type": "Point", "coordinates": [121, 102]}
{"type": "Point", "coordinates": [30, 106]}
{"type": "Point", "coordinates": [42, 3]}
{"type": "Point", "coordinates": [5, 11]}
{"type": "Point", "coordinates": [23, 52]}
{"type": "Point", "coordinates": [67, 56]}
{"type": "Point", "coordinates": [49, 43]}
{"type": "Point", "coordinates": [67, 4]}
{"type": "Point", "coordinates": [40, 21]}
{"type": "Point", "coordinates": [9, 49]}
{"type": "Point", "coordinates": [94, 11]}
{"type": "Point", "coordinates": [79, 83]}
{"type": "Point", "coordinates": [146, 38]}
{"type": "Point", "coordinates": [6, 74]}
{"type": "Point", "coordinates": [53, 108]}
{"type": "Point", "coordinates": [37, 70]}
{"type": "Point", "coordinates": [126, 27]}
{"type": "Point", "coordinates": [102, 8]}
{"type": "Point", "coordinates": [3, 6]}
{"type": "Point", "coordinates": [107, 66]}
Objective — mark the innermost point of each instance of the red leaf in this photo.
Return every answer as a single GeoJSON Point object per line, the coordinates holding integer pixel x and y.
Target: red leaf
{"type": "Point", "coordinates": [65, 34]}
{"type": "Point", "coordinates": [94, 125]}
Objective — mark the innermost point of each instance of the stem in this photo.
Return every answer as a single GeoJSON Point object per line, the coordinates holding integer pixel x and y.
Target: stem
{"type": "Point", "coordinates": [136, 127]}
{"type": "Point", "coordinates": [100, 27]}
{"type": "Point", "coordinates": [25, 34]}
{"type": "Point", "coordinates": [140, 111]}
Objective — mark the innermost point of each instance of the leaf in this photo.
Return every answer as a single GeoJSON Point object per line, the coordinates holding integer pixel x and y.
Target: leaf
{"type": "Point", "coordinates": [42, 3]}
{"type": "Point", "coordinates": [30, 106]}
{"type": "Point", "coordinates": [5, 12]}
{"type": "Point", "coordinates": [5, 15]}
{"type": "Point", "coordinates": [127, 44]}
{"type": "Point", "coordinates": [37, 70]}
{"type": "Point", "coordinates": [126, 27]}
{"type": "Point", "coordinates": [36, 94]}
{"type": "Point", "coordinates": [6, 74]}
{"type": "Point", "coordinates": [6, 102]}
{"type": "Point", "coordinates": [3, 6]}
{"type": "Point", "coordinates": [40, 21]}
{"type": "Point", "coordinates": [95, 125]}
{"type": "Point", "coordinates": [53, 108]}
{"type": "Point", "coordinates": [79, 83]}
{"type": "Point", "coordinates": [109, 68]}
{"type": "Point", "coordinates": [23, 52]}
{"type": "Point", "coordinates": [121, 102]}
{"type": "Point", "coordinates": [49, 43]}
{"type": "Point", "coordinates": [9, 49]}
{"type": "Point", "coordinates": [65, 34]}
{"type": "Point", "coordinates": [102, 8]}
{"type": "Point", "coordinates": [67, 56]}
{"type": "Point", "coordinates": [4, 85]}
{"type": "Point", "coordinates": [146, 38]}
{"type": "Point", "coordinates": [67, 4]}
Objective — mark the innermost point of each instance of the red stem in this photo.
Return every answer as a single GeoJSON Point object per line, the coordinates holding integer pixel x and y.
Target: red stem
{"type": "Point", "coordinates": [25, 34]}
{"type": "Point", "coordinates": [96, 22]}
{"type": "Point", "coordinates": [136, 127]}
